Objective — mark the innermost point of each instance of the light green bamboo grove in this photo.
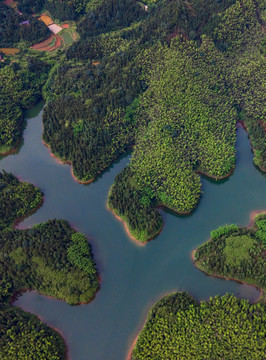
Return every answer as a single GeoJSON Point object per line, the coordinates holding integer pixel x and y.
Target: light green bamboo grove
{"type": "Point", "coordinates": [224, 327]}
{"type": "Point", "coordinates": [23, 336]}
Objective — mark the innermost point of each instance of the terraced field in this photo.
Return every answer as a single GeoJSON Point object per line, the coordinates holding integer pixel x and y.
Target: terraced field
{"type": "Point", "coordinates": [50, 44]}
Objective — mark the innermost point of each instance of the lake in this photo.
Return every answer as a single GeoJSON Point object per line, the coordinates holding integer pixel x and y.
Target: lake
{"type": "Point", "coordinates": [132, 278]}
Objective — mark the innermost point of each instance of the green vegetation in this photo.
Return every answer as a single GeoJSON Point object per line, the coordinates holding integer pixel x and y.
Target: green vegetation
{"type": "Point", "coordinates": [172, 92]}
{"type": "Point", "coordinates": [223, 230]}
{"type": "Point", "coordinates": [237, 253]}
{"type": "Point", "coordinates": [15, 28]}
{"type": "Point", "coordinates": [171, 82]}
{"type": "Point", "coordinates": [50, 258]}
{"type": "Point", "coordinates": [16, 199]}
{"type": "Point", "coordinates": [61, 10]}
{"type": "Point", "coordinates": [23, 336]}
{"type": "Point", "coordinates": [79, 254]}
{"type": "Point", "coordinates": [194, 98]}
{"type": "Point", "coordinates": [224, 327]}
{"type": "Point", "coordinates": [143, 221]}
{"type": "Point", "coordinates": [20, 87]}
{"type": "Point", "coordinates": [67, 38]}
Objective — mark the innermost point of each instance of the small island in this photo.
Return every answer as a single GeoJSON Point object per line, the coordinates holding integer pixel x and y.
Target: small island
{"type": "Point", "coordinates": [51, 258]}
{"type": "Point", "coordinates": [224, 327]}
{"type": "Point", "coordinates": [236, 253]}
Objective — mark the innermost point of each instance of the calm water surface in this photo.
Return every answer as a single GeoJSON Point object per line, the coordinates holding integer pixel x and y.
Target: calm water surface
{"type": "Point", "coordinates": [133, 277]}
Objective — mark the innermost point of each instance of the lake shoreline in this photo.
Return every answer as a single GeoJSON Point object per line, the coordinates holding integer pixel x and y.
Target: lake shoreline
{"type": "Point", "coordinates": [145, 319]}
{"type": "Point", "coordinates": [14, 297]}
{"type": "Point", "coordinates": [226, 176]}
{"type": "Point", "coordinates": [130, 351]}
{"type": "Point", "coordinates": [226, 277]}
{"type": "Point", "coordinates": [244, 126]}
{"type": "Point", "coordinates": [134, 240]}
{"type": "Point", "coordinates": [163, 206]}
{"type": "Point", "coordinates": [68, 162]}
{"type": "Point", "coordinates": [253, 214]}
{"type": "Point", "coordinates": [29, 213]}
{"type": "Point", "coordinates": [12, 150]}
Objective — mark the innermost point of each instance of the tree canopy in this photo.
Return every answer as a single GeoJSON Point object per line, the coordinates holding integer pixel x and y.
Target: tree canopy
{"type": "Point", "coordinates": [224, 327]}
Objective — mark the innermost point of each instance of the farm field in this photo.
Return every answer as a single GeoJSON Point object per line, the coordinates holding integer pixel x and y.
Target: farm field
{"type": "Point", "coordinates": [54, 28]}
{"type": "Point", "coordinates": [10, 51]}
{"type": "Point", "coordinates": [46, 19]}
{"type": "Point", "coordinates": [69, 36]}
{"type": "Point", "coordinates": [66, 37]}
{"type": "Point", "coordinates": [50, 44]}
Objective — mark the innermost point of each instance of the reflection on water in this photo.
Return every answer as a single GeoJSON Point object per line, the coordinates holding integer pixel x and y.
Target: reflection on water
{"type": "Point", "coordinates": [133, 277]}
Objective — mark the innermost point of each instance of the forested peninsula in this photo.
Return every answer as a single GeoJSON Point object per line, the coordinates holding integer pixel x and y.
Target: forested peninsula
{"type": "Point", "coordinates": [169, 78]}
{"type": "Point", "coordinates": [236, 252]}
{"type": "Point", "coordinates": [178, 327]}
{"type": "Point", "coordinates": [51, 258]}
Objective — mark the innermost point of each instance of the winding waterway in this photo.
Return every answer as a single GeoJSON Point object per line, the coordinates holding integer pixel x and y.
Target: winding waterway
{"type": "Point", "coordinates": [132, 277]}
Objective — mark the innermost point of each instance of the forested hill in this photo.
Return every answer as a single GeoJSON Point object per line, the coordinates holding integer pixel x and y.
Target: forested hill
{"type": "Point", "coordinates": [236, 252]}
{"type": "Point", "coordinates": [172, 81]}
{"type": "Point", "coordinates": [178, 327]}
{"type": "Point", "coordinates": [51, 258]}
{"type": "Point", "coordinates": [168, 78]}
{"type": "Point", "coordinates": [195, 96]}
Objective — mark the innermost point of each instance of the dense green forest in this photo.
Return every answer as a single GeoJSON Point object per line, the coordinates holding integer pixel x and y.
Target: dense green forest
{"type": "Point", "coordinates": [51, 258]}
{"type": "Point", "coordinates": [20, 87]}
{"type": "Point", "coordinates": [224, 327]}
{"type": "Point", "coordinates": [173, 92]}
{"type": "Point", "coordinates": [93, 105]}
{"type": "Point", "coordinates": [142, 219]}
{"type": "Point", "coordinates": [196, 94]}
{"type": "Point", "coordinates": [15, 28]}
{"type": "Point", "coordinates": [60, 9]}
{"type": "Point", "coordinates": [236, 252]}
{"type": "Point", "coordinates": [24, 336]}
{"type": "Point", "coordinates": [16, 199]}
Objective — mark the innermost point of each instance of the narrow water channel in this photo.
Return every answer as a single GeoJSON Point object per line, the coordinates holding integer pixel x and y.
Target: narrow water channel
{"type": "Point", "coordinates": [133, 277]}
